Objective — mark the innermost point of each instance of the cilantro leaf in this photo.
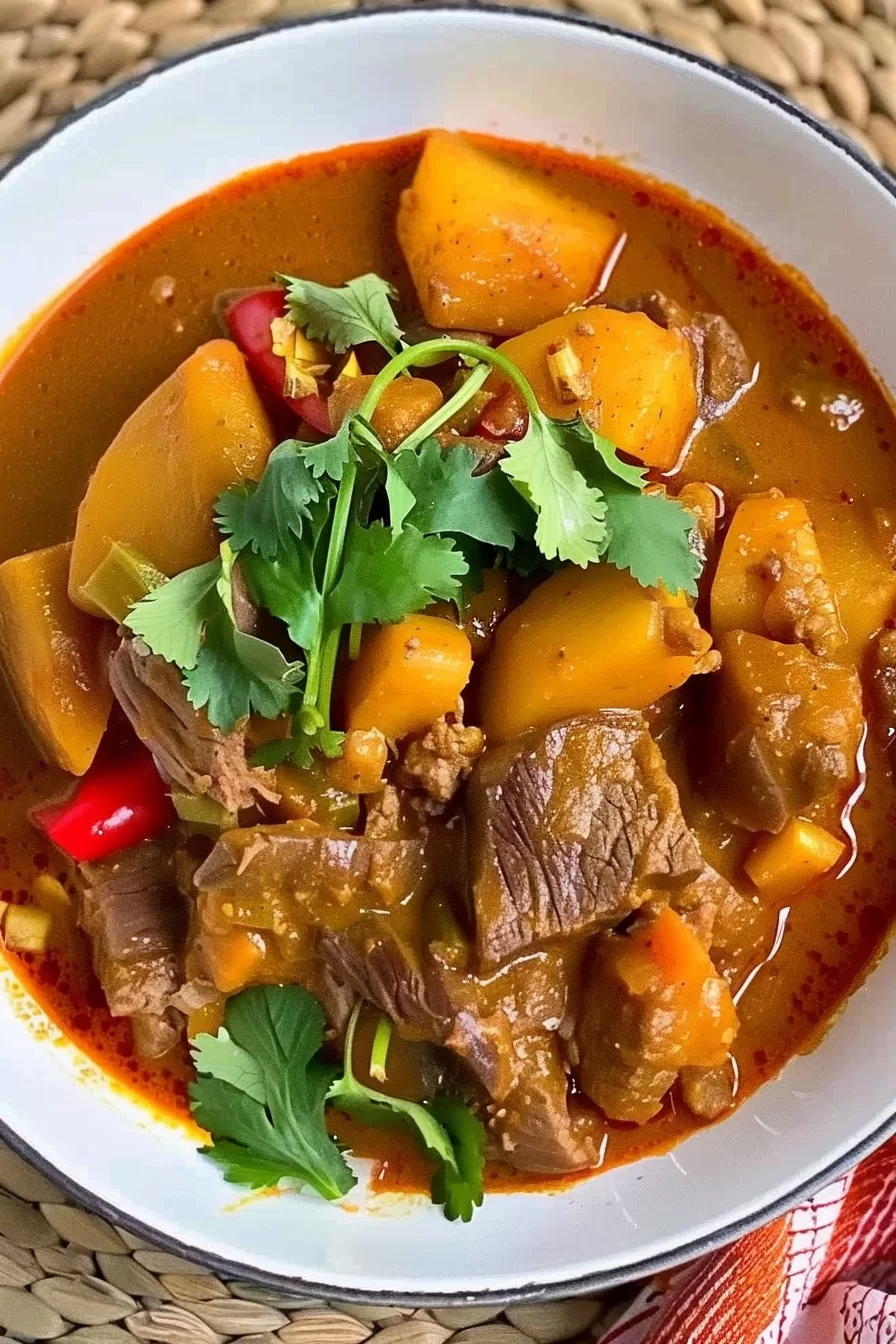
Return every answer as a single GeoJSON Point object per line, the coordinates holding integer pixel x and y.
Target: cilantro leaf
{"type": "Point", "coordinates": [457, 1184]}
{"type": "Point", "coordinates": [571, 513]}
{"type": "Point", "coordinates": [170, 618]}
{"type": "Point", "coordinates": [236, 674]}
{"type": "Point", "coordinates": [331, 457]}
{"type": "Point", "coordinates": [265, 517]}
{"type": "Point", "coordinates": [591, 441]}
{"type": "Point", "coordinates": [287, 585]}
{"type": "Point", "coordinates": [650, 535]}
{"type": "Point", "coordinates": [259, 1143]}
{"type": "Point", "coordinates": [384, 578]}
{"type": "Point", "coordinates": [449, 498]}
{"type": "Point", "coordinates": [223, 1058]}
{"type": "Point", "coordinates": [460, 1191]}
{"type": "Point", "coordinates": [357, 312]}
{"type": "Point", "coordinates": [300, 748]}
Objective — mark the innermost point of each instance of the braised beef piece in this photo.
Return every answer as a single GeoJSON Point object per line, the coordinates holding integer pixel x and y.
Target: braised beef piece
{"type": "Point", "coordinates": [383, 968]}
{"type": "Point", "coordinates": [785, 727]}
{"type": "Point", "coordinates": [707, 1093]}
{"type": "Point", "coordinates": [191, 754]}
{"type": "Point", "coordinates": [319, 872]}
{"type": "Point", "coordinates": [883, 685]}
{"type": "Point", "coordinates": [570, 829]}
{"type": "Point", "coordinates": [722, 367]}
{"type": "Point", "coordinates": [638, 1028]}
{"type": "Point", "coordinates": [136, 920]}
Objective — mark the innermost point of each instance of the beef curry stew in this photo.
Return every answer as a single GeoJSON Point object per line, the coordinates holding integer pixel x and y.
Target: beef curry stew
{"type": "Point", "coordinates": [458, 655]}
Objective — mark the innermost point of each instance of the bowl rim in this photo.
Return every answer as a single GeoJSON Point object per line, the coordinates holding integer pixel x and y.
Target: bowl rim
{"type": "Point", "coordinates": [582, 1285]}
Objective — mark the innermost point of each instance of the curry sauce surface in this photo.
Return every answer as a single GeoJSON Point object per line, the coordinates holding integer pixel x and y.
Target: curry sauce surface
{"type": "Point", "coordinates": [107, 343]}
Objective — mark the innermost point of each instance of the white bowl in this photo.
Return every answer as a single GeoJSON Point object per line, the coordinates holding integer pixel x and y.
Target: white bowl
{"type": "Point", "coordinates": [813, 202]}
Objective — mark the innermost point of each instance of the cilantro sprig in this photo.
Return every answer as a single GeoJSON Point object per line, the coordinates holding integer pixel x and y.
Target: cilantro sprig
{"type": "Point", "coordinates": [262, 1089]}
{"type": "Point", "coordinates": [343, 533]}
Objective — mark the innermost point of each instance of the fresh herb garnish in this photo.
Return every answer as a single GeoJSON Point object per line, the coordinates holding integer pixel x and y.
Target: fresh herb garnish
{"type": "Point", "coordinates": [262, 1091]}
{"type": "Point", "coordinates": [349, 315]}
{"type": "Point", "coordinates": [343, 533]}
{"type": "Point", "coordinates": [456, 1147]}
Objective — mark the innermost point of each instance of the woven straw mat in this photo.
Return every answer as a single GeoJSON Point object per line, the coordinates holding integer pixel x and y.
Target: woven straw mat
{"type": "Point", "coordinates": [64, 1272]}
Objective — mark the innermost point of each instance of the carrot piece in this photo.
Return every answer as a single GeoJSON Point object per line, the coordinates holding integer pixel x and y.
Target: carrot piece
{"type": "Point", "coordinates": [407, 676]}
{"type": "Point", "coordinates": [360, 767]}
{"type": "Point", "coordinates": [233, 958]}
{"type": "Point", "coordinates": [780, 865]}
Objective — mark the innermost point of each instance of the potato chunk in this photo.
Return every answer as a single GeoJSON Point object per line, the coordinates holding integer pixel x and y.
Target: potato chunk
{"type": "Point", "coordinates": [633, 380]}
{"type": "Point", "coordinates": [584, 640]}
{"type": "Point", "coordinates": [771, 579]}
{"type": "Point", "coordinates": [155, 486]}
{"type": "Point", "coordinates": [54, 658]}
{"type": "Point", "coordinates": [784, 731]}
{"type": "Point", "coordinates": [407, 675]}
{"type": "Point", "coordinates": [493, 247]}
{"type": "Point", "coordinates": [780, 865]}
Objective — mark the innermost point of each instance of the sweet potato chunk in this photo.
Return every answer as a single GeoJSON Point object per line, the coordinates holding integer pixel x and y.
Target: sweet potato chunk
{"type": "Point", "coordinates": [771, 579]}
{"type": "Point", "coordinates": [407, 676]}
{"type": "Point", "coordinates": [631, 379]}
{"type": "Point", "coordinates": [585, 640]}
{"type": "Point", "coordinates": [155, 487]}
{"type": "Point", "coordinates": [785, 728]}
{"type": "Point", "coordinates": [492, 247]}
{"type": "Point", "coordinates": [780, 865]}
{"type": "Point", "coordinates": [54, 658]}
{"type": "Point", "coordinates": [654, 1004]}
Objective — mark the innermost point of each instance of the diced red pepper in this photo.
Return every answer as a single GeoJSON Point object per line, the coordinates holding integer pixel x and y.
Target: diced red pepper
{"type": "Point", "coordinates": [505, 417]}
{"type": "Point", "coordinates": [115, 805]}
{"type": "Point", "coordinates": [249, 322]}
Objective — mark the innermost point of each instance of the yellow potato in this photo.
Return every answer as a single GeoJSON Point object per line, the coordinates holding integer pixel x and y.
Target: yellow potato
{"type": "Point", "coordinates": [54, 658]}
{"type": "Point", "coordinates": [780, 865]}
{"type": "Point", "coordinates": [584, 640]}
{"type": "Point", "coordinates": [493, 247]}
{"type": "Point", "coordinates": [636, 380]}
{"type": "Point", "coordinates": [155, 487]}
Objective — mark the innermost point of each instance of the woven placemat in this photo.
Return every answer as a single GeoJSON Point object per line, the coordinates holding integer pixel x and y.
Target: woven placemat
{"type": "Point", "coordinates": [65, 1272]}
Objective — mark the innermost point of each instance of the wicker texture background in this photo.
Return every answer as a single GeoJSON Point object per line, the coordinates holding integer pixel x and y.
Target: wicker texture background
{"type": "Point", "coordinates": [67, 1273]}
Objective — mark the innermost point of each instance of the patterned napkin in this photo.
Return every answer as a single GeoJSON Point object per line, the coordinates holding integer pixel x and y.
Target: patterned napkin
{"type": "Point", "coordinates": [823, 1274]}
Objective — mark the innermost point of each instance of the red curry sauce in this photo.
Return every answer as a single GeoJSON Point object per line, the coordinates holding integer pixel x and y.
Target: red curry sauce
{"type": "Point", "coordinates": [90, 360]}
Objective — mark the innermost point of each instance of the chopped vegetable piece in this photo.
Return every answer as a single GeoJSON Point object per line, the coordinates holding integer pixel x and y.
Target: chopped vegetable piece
{"type": "Point", "coordinates": [405, 405]}
{"type": "Point", "coordinates": [200, 810]}
{"type": "Point", "coordinates": [312, 794]}
{"type": "Point", "coordinates": [267, 1120]}
{"type": "Point", "coordinates": [49, 894]}
{"type": "Point", "coordinates": [586, 640]}
{"type": "Point", "coordinates": [781, 865]}
{"type": "Point", "coordinates": [360, 767]}
{"type": "Point", "coordinates": [771, 579]}
{"type": "Point", "coordinates": [492, 247]}
{"type": "Point", "coordinates": [407, 675]}
{"type": "Point", "coordinates": [379, 1051]}
{"type": "Point", "coordinates": [27, 929]}
{"type": "Point", "coordinates": [248, 319]}
{"type": "Point", "coordinates": [117, 804]}
{"type": "Point", "coordinates": [155, 487]}
{"type": "Point", "coordinates": [54, 658]}
{"type": "Point", "coordinates": [122, 578]}
{"type": "Point", "coordinates": [234, 958]}
{"type": "Point", "coordinates": [634, 379]}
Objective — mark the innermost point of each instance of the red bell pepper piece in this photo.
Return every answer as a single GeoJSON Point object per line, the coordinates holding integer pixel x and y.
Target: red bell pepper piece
{"type": "Point", "coordinates": [249, 322]}
{"type": "Point", "coordinates": [505, 417]}
{"type": "Point", "coordinates": [115, 805]}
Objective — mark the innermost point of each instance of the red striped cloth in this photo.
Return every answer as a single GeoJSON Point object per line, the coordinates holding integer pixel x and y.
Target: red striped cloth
{"type": "Point", "coordinates": [823, 1274]}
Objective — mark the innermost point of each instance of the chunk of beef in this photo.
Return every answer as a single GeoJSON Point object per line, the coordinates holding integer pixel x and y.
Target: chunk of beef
{"type": "Point", "coordinates": [570, 829]}
{"type": "Point", "coordinates": [536, 1128]}
{"type": "Point", "coordinates": [723, 370]}
{"type": "Point", "coordinates": [191, 754]}
{"type": "Point", "coordinates": [324, 876]}
{"type": "Point", "coordinates": [136, 920]}
{"type": "Point", "coordinates": [785, 727]}
{"type": "Point", "coordinates": [883, 685]}
{"type": "Point", "coordinates": [650, 1009]}
{"type": "Point", "coordinates": [379, 965]}
{"type": "Point", "coordinates": [440, 761]}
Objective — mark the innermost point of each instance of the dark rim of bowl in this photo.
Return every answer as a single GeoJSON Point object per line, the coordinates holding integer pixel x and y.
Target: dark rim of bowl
{"type": "Point", "coordinates": [587, 1283]}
